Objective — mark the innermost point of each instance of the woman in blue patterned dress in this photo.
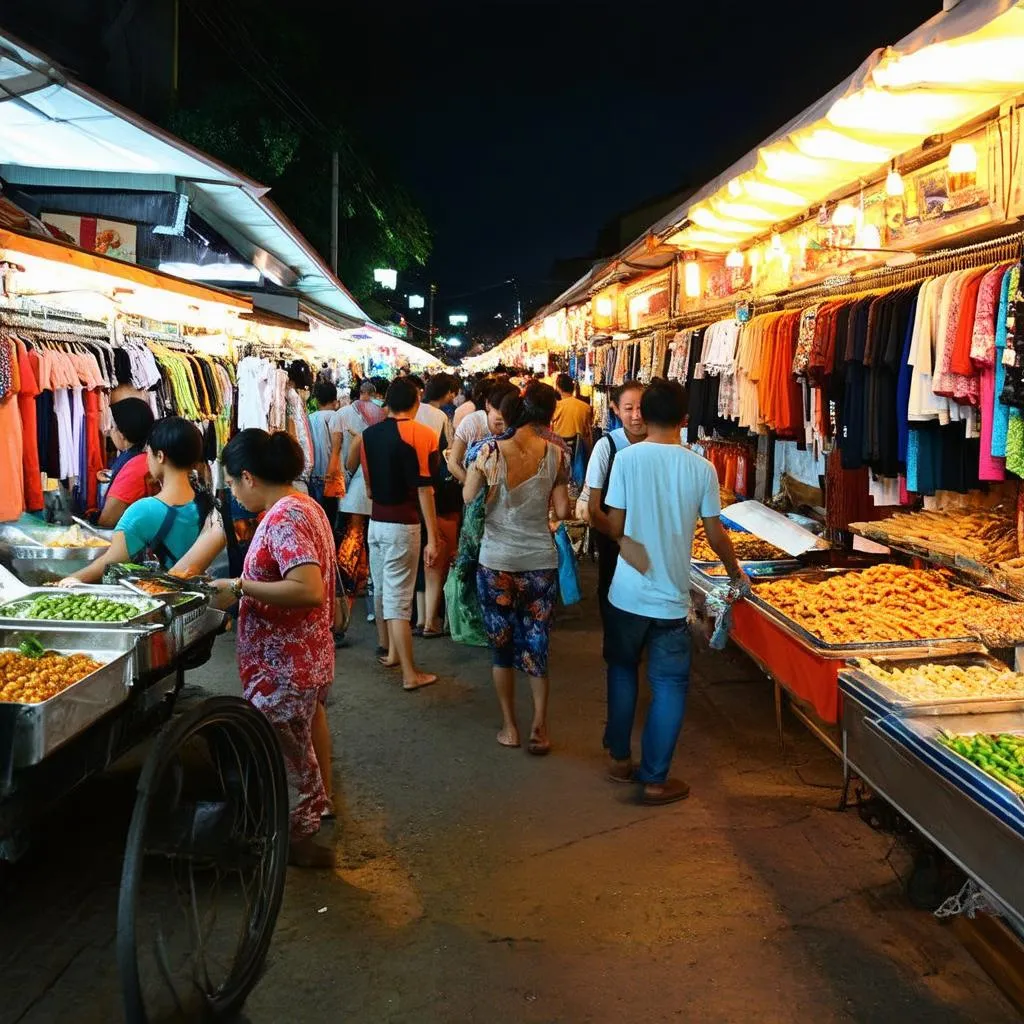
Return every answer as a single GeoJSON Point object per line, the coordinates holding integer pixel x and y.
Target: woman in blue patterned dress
{"type": "Point", "coordinates": [517, 580]}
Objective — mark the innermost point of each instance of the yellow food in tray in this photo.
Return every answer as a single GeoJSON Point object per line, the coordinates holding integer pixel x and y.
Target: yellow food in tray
{"type": "Point", "coordinates": [882, 604]}
{"type": "Point", "coordinates": [936, 681]}
{"type": "Point", "coordinates": [31, 680]}
{"type": "Point", "coordinates": [988, 536]}
{"type": "Point", "coordinates": [748, 547]}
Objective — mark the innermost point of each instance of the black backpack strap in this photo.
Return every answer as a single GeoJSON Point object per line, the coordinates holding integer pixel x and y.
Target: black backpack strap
{"type": "Point", "coordinates": [158, 546]}
{"type": "Point", "coordinates": [612, 450]}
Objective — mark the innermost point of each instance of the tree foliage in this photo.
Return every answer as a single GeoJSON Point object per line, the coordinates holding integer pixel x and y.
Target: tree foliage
{"type": "Point", "coordinates": [262, 124]}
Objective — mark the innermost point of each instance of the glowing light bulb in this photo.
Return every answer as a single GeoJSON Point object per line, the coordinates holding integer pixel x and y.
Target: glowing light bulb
{"type": "Point", "coordinates": [691, 275]}
{"type": "Point", "coordinates": [963, 158]}
{"type": "Point", "coordinates": [604, 306]}
{"type": "Point", "coordinates": [844, 215]}
{"type": "Point", "coordinates": [894, 182]}
{"type": "Point", "coordinates": [776, 242]}
{"type": "Point", "coordinates": [734, 260]}
{"type": "Point", "coordinates": [869, 237]}
{"type": "Point", "coordinates": [735, 188]}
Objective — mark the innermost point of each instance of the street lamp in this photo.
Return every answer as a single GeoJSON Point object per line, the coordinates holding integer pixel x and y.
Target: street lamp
{"type": "Point", "coordinates": [458, 319]}
{"type": "Point", "coordinates": [416, 302]}
{"type": "Point", "coordinates": [386, 278]}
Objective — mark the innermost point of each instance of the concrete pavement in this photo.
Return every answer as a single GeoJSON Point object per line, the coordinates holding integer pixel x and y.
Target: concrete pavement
{"type": "Point", "coordinates": [477, 883]}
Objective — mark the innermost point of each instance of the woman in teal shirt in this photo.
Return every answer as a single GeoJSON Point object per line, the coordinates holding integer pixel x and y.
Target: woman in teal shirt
{"type": "Point", "coordinates": [164, 527]}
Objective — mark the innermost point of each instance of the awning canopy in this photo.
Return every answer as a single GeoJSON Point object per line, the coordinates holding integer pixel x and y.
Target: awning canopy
{"type": "Point", "coordinates": [56, 131]}
{"type": "Point", "coordinates": [954, 68]}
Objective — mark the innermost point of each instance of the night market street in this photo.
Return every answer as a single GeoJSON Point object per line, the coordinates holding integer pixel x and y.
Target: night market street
{"type": "Point", "coordinates": [481, 884]}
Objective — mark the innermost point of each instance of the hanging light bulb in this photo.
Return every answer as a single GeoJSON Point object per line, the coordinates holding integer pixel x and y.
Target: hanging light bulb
{"type": "Point", "coordinates": [963, 158]}
{"type": "Point", "coordinates": [802, 241]}
{"type": "Point", "coordinates": [869, 237]}
{"type": "Point", "coordinates": [735, 188]}
{"type": "Point", "coordinates": [776, 242]}
{"type": "Point", "coordinates": [894, 182]}
{"type": "Point", "coordinates": [787, 263]}
{"type": "Point", "coordinates": [604, 306]}
{"type": "Point", "coordinates": [734, 260]}
{"type": "Point", "coordinates": [691, 275]}
{"type": "Point", "coordinates": [844, 215]}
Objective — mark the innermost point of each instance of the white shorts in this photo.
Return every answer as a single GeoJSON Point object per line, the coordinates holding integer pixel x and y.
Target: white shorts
{"type": "Point", "coordinates": [394, 556]}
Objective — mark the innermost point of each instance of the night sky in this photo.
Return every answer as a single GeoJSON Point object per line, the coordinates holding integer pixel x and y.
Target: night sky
{"type": "Point", "coordinates": [523, 126]}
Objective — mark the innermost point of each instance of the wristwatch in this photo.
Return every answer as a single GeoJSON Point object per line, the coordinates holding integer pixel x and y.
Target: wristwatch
{"type": "Point", "coordinates": [236, 587]}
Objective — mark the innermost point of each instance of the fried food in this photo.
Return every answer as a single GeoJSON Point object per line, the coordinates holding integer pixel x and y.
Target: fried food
{"type": "Point", "coordinates": [988, 536]}
{"type": "Point", "coordinates": [936, 681]}
{"type": "Point", "coordinates": [748, 547]}
{"type": "Point", "coordinates": [880, 604]}
{"type": "Point", "coordinates": [31, 680]}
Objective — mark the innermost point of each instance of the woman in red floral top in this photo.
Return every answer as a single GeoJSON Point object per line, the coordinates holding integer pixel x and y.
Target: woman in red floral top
{"type": "Point", "coordinates": [286, 605]}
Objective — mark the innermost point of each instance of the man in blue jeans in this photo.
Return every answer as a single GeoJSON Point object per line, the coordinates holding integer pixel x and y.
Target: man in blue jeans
{"type": "Point", "coordinates": [657, 492]}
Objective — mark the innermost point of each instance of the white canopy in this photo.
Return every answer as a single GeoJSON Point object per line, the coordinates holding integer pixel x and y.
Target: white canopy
{"type": "Point", "coordinates": [56, 131]}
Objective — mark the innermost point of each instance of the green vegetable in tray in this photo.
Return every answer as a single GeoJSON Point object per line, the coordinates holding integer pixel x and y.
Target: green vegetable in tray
{"type": "Point", "coordinates": [30, 647]}
{"type": "Point", "coordinates": [999, 756]}
{"type": "Point", "coordinates": [76, 607]}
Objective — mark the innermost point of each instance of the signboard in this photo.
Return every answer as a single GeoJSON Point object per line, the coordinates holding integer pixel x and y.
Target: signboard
{"type": "Point", "coordinates": [95, 234]}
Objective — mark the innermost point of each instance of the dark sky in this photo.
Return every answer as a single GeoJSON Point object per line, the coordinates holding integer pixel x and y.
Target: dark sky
{"type": "Point", "coordinates": [522, 126]}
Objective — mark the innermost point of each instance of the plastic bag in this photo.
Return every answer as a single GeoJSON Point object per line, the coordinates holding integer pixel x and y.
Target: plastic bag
{"type": "Point", "coordinates": [463, 605]}
{"type": "Point", "coordinates": [568, 577]}
{"type": "Point", "coordinates": [719, 604]}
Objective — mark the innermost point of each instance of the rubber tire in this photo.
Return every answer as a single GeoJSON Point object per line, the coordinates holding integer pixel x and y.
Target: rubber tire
{"type": "Point", "coordinates": [241, 714]}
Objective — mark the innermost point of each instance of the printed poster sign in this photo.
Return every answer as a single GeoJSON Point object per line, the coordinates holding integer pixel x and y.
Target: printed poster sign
{"type": "Point", "coordinates": [106, 237]}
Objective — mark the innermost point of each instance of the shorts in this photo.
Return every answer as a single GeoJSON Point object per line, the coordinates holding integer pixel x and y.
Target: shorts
{"type": "Point", "coordinates": [394, 553]}
{"type": "Point", "coordinates": [516, 609]}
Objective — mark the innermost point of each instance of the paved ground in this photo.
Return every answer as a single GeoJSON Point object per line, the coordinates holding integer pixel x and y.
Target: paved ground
{"type": "Point", "coordinates": [480, 884]}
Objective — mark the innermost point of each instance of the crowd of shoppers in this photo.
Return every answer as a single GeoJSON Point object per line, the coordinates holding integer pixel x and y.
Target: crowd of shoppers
{"type": "Point", "coordinates": [378, 490]}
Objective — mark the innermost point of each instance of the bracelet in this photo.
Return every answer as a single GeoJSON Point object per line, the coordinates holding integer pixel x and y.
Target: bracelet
{"type": "Point", "coordinates": [236, 587]}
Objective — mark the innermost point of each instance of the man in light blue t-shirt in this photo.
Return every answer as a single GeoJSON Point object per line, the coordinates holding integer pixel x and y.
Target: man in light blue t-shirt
{"type": "Point", "coordinates": [657, 492]}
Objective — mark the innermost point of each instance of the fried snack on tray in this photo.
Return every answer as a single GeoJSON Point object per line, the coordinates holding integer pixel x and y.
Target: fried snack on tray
{"type": "Point", "coordinates": [28, 680]}
{"type": "Point", "coordinates": [946, 681]}
{"type": "Point", "coordinates": [748, 547]}
{"type": "Point", "coordinates": [880, 604]}
{"type": "Point", "coordinates": [987, 536]}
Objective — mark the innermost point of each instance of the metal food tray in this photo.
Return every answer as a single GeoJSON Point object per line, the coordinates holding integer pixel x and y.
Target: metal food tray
{"type": "Point", "coordinates": [893, 702]}
{"type": "Point", "coordinates": [922, 733]}
{"type": "Point", "coordinates": [153, 612]}
{"type": "Point", "coordinates": [860, 648]}
{"type": "Point", "coordinates": [35, 730]}
{"type": "Point", "coordinates": [752, 567]}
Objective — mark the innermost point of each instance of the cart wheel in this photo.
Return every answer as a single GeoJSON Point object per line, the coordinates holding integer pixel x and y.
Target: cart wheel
{"type": "Point", "coordinates": [204, 866]}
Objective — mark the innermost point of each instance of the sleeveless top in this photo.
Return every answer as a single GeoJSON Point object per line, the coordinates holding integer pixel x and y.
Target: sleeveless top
{"type": "Point", "coordinates": [516, 535]}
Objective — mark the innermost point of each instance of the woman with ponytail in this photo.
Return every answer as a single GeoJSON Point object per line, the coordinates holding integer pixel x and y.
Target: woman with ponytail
{"type": "Point", "coordinates": [165, 527]}
{"type": "Point", "coordinates": [517, 580]}
{"type": "Point", "coordinates": [286, 610]}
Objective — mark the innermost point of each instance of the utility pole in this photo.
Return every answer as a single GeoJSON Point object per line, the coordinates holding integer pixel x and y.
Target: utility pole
{"type": "Point", "coordinates": [430, 329]}
{"type": "Point", "coordinates": [519, 306]}
{"type": "Point", "coordinates": [175, 53]}
{"type": "Point", "coordinates": [334, 211]}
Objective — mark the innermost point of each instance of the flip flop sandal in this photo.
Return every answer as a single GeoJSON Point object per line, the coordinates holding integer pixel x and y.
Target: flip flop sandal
{"type": "Point", "coordinates": [432, 634]}
{"type": "Point", "coordinates": [539, 748]}
{"type": "Point", "coordinates": [417, 631]}
{"type": "Point", "coordinates": [381, 652]}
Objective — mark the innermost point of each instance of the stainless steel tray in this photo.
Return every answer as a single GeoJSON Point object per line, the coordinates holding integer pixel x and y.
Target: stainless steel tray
{"type": "Point", "coordinates": [865, 648]}
{"type": "Point", "coordinates": [898, 704]}
{"type": "Point", "coordinates": [752, 567]}
{"type": "Point", "coordinates": [38, 729]}
{"type": "Point", "coordinates": [151, 610]}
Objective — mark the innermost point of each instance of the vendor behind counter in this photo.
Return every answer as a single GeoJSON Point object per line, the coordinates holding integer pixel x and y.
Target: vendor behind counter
{"type": "Point", "coordinates": [128, 476]}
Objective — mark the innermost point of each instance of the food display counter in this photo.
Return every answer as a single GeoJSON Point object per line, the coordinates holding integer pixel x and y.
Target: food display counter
{"type": "Point", "coordinates": [38, 554]}
{"type": "Point", "coordinates": [901, 748]}
{"type": "Point", "coordinates": [85, 674]}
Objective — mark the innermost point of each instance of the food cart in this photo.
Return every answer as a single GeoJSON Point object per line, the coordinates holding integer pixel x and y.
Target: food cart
{"type": "Point", "coordinates": [91, 674]}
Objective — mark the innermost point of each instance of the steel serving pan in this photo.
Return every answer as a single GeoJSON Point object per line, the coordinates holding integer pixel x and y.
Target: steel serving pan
{"type": "Point", "coordinates": [897, 703]}
{"type": "Point", "coordinates": [36, 730]}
